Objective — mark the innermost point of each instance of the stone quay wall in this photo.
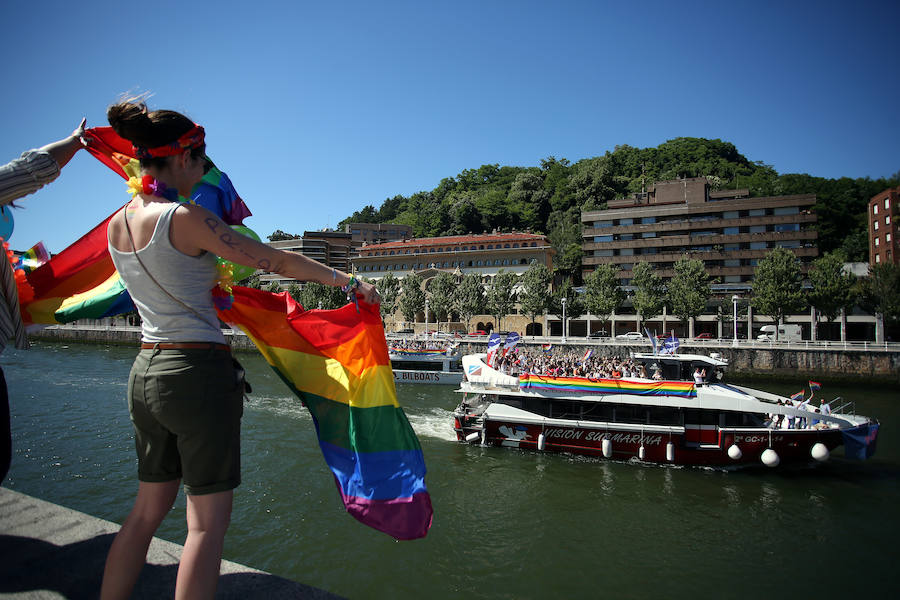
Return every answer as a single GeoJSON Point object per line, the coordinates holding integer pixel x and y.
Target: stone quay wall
{"type": "Point", "coordinates": [874, 365]}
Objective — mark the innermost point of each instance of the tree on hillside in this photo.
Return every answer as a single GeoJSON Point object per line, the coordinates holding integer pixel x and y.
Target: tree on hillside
{"type": "Point", "coordinates": [280, 236]}
{"type": "Point", "coordinates": [468, 300]}
{"type": "Point", "coordinates": [776, 286]}
{"type": "Point", "coordinates": [649, 292]}
{"type": "Point", "coordinates": [530, 200]}
{"type": "Point", "coordinates": [833, 288]}
{"type": "Point", "coordinates": [535, 295]}
{"type": "Point", "coordinates": [689, 289]}
{"type": "Point", "coordinates": [412, 298]}
{"type": "Point", "coordinates": [500, 295]}
{"type": "Point", "coordinates": [602, 294]}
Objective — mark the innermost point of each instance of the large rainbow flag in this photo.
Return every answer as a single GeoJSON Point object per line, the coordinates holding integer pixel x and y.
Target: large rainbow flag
{"type": "Point", "coordinates": [336, 362]}
{"type": "Point", "coordinates": [584, 385]}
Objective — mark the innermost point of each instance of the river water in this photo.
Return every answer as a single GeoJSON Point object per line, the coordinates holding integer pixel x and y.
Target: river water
{"type": "Point", "coordinates": [507, 523]}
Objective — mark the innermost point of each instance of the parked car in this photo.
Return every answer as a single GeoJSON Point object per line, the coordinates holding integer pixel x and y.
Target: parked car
{"type": "Point", "coordinates": [703, 336]}
{"type": "Point", "coordinates": [631, 335]}
{"type": "Point", "coordinates": [441, 335]}
{"type": "Point", "coordinates": [598, 334]}
{"type": "Point", "coordinates": [479, 332]}
{"type": "Point", "coordinates": [405, 331]}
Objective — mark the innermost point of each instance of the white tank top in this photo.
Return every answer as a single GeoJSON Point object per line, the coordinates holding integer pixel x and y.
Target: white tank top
{"type": "Point", "coordinates": [190, 279]}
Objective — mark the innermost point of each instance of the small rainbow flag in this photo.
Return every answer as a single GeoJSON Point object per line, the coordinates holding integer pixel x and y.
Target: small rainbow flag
{"type": "Point", "coordinates": [584, 385]}
{"type": "Point", "coordinates": [814, 386]}
{"type": "Point", "coordinates": [797, 397]}
{"type": "Point", "coordinates": [546, 348]}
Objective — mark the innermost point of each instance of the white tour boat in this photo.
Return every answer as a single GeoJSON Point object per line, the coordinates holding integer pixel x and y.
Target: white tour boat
{"type": "Point", "coordinates": [671, 420]}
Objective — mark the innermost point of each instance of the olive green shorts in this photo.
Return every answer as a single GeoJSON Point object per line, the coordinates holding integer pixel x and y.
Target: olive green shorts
{"type": "Point", "coordinates": [186, 407]}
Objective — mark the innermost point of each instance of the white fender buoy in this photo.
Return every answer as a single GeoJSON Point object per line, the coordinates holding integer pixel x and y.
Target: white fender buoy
{"type": "Point", "coordinates": [734, 452]}
{"type": "Point", "coordinates": [641, 452]}
{"type": "Point", "coordinates": [670, 452]}
{"type": "Point", "coordinates": [606, 446]}
{"type": "Point", "coordinates": [483, 436]}
{"type": "Point", "coordinates": [541, 441]}
{"type": "Point", "coordinates": [770, 458]}
{"type": "Point", "coordinates": [472, 436]}
{"type": "Point", "coordinates": [820, 452]}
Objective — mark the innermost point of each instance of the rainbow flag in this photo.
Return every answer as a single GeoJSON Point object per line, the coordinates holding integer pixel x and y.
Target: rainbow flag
{"type": "Point", "coordinates": [798, 397]}
{"type": "Point", "coordinates": [422, 352]}
{"type": "Point", "coordinates": [584, 385]}
{"type": "Point", "coordinates": [546, 348]}
{"type": "Point", "coordinates": [79, 282]}
{"type": "Point", "coordinates": [814, 386]}
{"type": "Point", "coordinates": [336, 362]}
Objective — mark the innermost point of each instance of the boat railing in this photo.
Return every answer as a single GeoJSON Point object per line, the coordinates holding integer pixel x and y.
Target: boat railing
{"type": "Point", "coordinates": [841, 409]}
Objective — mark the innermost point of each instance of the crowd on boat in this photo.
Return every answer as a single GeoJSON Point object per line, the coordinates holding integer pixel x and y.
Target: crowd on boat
{"type": "Point", "coordinates": [780, 421]}
{"type": "Point", "coordinates": [419, 345]}
{"type": "Point", "coordinates": [571, 365]}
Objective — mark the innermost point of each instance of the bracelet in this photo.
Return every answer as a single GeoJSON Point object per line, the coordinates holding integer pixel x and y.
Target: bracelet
{"type": "Point", "coordinates": [352, 284]}
{"type": "Point", "coordinates": [333, 275]}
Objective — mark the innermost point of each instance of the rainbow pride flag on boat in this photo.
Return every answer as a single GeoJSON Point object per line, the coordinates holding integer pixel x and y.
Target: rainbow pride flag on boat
{"type": "Point", "coordinates": [336, 362]}
{"type": "Point", "coordinates": [584, 385]}
{"type": "Point", "coordinates": [422, 352]}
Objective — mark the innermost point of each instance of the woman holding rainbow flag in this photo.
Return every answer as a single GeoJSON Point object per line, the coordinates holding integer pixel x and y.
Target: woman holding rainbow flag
{"type": "Point", "coordinates": [184, 394]}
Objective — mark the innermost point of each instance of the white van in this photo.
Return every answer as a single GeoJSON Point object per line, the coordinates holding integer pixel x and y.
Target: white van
{"type": "Point", "coordinates": [786, 333]}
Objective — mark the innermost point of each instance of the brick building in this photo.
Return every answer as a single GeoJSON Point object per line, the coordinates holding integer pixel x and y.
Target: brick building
{"type": "Point", "coordinates": [882, 218]}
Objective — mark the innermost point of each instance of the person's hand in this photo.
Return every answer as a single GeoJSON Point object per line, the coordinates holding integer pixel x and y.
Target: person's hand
{"type": "Point", "coordinates": [368, 293]}
{"type": "Point", "coordinates": [79, 133]}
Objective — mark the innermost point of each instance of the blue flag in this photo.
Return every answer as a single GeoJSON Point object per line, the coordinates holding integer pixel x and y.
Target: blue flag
{"type": "Point", "coordinates": [493, 346]}
{"type": "Point", "coordinates": [860, 441]}
{"type": "Point", "coordinates": [652, 339]}
{"type": "Point", "coordinates": [670, 345]}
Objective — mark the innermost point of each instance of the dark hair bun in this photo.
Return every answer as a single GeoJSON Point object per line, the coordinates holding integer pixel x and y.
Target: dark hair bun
{"type": "Point", "coordinates": [130, 119]}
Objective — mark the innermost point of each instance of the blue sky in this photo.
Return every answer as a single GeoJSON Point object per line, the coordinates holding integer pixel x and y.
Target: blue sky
{"type": "Point", "coordinates": [317, 109]}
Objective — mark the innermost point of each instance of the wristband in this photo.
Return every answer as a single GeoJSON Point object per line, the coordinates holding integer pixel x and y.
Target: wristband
{"type": "Point", "coordinates": [351, 285]}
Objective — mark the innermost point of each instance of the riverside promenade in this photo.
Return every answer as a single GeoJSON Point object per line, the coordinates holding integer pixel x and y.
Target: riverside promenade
{"type": "Point", "coordinates": [48, 551]}
{"type": "Point", "coordinates": [863, 362]}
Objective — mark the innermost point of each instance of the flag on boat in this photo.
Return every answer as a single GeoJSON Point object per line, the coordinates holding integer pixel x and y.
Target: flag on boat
{"type": "Point", "coordinates": [814, 386]}
{"type": "Point", "coordinates": [798, 397]}
{"type": "Point", "coordinates": [587, 355]}
{"type": "Point", "coordinates": [546, 348]}
{"type": "Point", "coordinates": [860, 441]}
{"type": "Point", "coordinates": [492, 348]}
{"type": "Point", "coordinates": [511, 340]}
{"type": "Point", "coordinates": [670, 345]}
{"type": "Point", "coordinates": [336, 362]}
{"type": "Point", "coordinates": [652, 339]}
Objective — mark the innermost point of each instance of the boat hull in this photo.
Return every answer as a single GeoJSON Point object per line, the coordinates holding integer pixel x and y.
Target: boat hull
{"type": "Point", "coordinates": [659, 445]}
{"type": "Point", "coordinates": [428, 377]}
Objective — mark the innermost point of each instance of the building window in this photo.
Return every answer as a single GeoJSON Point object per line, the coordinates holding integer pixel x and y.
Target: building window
{"type": "Point", "coordinates": [787, 210]}
{"type": "Point", "coordinates": [876, 225]}
{"type": "Point", "coordinates": [490, 246]}
{"type": "Point", "coordinates": [603, 238]}
{"type": "Point", "coordinates": [609, 223]}
{"type": "Point", "coordinates": [878, 258]}
{"type": "Point", "coordinates": [887, 220]}
{"type": "Point", "coordinates": [887, 238]}
{"type": "Point", "coordinates": [788, 227]}
{"type": "Point", "coordinates": [758, 229]}
{"type": "Point", "coordinates": [757, 245]}
{"type": "Point", "coordinates": [730, 214]}
{"type": "Point", "coordinates": [874, 209]}
{"type": "Point", "coordinates": [480, 263]}
{"type": "Point", "coordinates": [757, 212]}
{"type": "Point", "coordinates": [603, 252]}
{"type": "Point", "coordinates": [626, 221]}
{"type": "Point", "coordinates": [648, 234]}
{"type": "Point", "coordinates": [731, 230]}
{"type": "Point", "coordinates": [887, 204]}
{"type": "Point", "coordinates": [496, 262]}
{"type": "Point", "coordinates": [648, 220]}
{"type": "Point", "coordinates": [505, 262]}
{"type": "Point", "coordinates": [876, 242]}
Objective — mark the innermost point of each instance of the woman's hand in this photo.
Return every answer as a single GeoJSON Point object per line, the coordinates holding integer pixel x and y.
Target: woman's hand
{"type": "Point", "coordinates": [368, 293]}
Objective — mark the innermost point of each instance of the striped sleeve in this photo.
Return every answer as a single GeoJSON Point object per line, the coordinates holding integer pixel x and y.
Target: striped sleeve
{"type": "Point", "coordinates": [26, 175]}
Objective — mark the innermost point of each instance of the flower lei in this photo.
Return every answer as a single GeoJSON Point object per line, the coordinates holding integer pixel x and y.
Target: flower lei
{"type": "Point", "coordinates": [151, 186]}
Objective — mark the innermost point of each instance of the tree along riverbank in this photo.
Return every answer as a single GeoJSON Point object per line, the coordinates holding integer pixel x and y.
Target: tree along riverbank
{"type": "Point", "coordinates": [870, 365]}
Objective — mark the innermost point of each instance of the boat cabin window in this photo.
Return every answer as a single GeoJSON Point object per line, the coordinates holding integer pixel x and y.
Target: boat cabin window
{"type": "Point", "coordinates": [742, 419]}
{"type": "Point", "coordinates": [597, 411]}
{"type": "Point", "coordinates": [663, 415]}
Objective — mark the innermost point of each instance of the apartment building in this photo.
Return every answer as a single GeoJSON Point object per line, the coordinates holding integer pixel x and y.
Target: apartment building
{"type": "Point", "coordinates": [377, 233]}
{"type": "Point", "coordinates": [332, 248]}
{"type": "Point", "coordinates": [883, 227]}
{"type": "Point", "coordinates": [726, 229]}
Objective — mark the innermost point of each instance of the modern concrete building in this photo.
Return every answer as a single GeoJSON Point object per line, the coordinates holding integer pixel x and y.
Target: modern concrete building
{"type": "Point", "coordinates": [377, 233]}
{"type": "Point", "coordinates": [332, 248]}
{"type": "Point", "coordinates": [882, 218]}
{"type": "Point", "coordinates": [727, 229]}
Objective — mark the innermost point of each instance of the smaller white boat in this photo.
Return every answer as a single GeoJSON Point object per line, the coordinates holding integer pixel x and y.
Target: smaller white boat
{"type": "Point", "coordinates": [426, 365]}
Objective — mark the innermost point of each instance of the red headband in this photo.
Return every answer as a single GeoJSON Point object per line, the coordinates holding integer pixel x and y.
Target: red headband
{"type": "Point", "coordinates": [194, 138]}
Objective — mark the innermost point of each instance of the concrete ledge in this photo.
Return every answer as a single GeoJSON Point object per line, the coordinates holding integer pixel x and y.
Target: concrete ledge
{"type": "Point", "coordinates": [48, 551]}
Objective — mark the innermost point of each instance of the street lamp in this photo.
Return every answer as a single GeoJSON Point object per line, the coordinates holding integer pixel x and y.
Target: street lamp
{"type": "Point", "coordinates": [426, 317]}
{"type": "Point", "coordinates": [563, 300]}
{"type": "Point", "coordinates": [735, 300]}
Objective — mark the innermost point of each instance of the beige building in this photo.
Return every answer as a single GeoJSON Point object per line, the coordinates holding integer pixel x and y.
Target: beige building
{"type": "Point", "coordinates": [332, 248]}
{"type": "Point", "coordinates": [483, 254]}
